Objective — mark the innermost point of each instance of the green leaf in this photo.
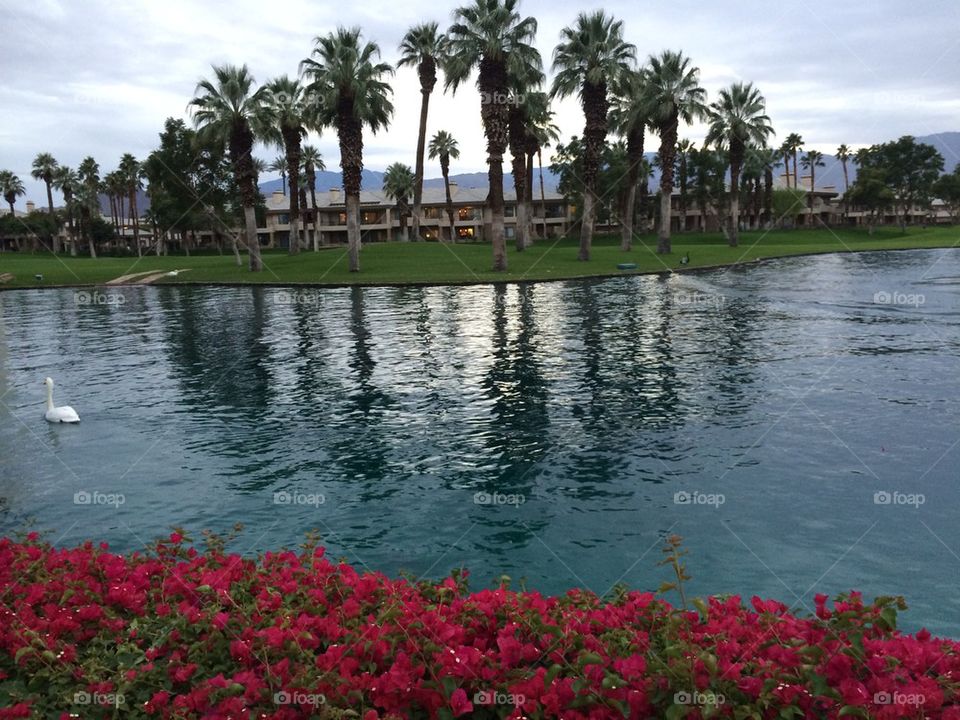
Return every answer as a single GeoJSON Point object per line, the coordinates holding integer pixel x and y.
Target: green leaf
{"type": "Point", "coordinates": [852, 711]}
{"type": "Point", "coordinates": [551, 674]}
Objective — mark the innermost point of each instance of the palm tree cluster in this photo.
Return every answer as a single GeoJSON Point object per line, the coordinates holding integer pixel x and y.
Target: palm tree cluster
{"type": "Point", "coordinates": [343, 85]}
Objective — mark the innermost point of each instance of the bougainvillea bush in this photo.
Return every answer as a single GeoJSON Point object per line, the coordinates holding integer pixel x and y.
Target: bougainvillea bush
{"type": "Point", "coordinates": [177, 633]}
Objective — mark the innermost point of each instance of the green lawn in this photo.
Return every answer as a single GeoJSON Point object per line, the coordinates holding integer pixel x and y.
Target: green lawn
{"type": "Point", "coordinates": [396, 263]}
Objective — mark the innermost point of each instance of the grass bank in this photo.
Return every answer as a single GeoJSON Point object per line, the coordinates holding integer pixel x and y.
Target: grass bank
{"type": "Point", "coordinates": [428, 263]}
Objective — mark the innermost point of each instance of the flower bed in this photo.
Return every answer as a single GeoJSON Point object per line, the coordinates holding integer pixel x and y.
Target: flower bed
{"type": "Point", "coordinates": [178, 633]}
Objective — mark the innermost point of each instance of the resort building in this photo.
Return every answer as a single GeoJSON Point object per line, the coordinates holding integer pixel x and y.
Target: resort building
{"type": "Point", "coordinates": [380, 218]}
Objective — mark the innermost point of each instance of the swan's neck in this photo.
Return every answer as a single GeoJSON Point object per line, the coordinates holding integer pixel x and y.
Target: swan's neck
{"type": "Point", "coordinates": [49, 398]}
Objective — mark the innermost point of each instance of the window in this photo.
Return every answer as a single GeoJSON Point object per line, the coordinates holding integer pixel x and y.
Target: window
{"type": "Point", "coordinates": [370, 217]}
{"type": "Point", "coordinates": [509, 210]}
{"type": "Point", "coordinates": [509, 231]}
{"type": "Point", "coordinates": [466, 233]}
{"type": "Point", "coordinates": [467, 213]}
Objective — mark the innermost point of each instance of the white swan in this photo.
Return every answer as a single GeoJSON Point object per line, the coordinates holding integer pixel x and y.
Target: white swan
{"type": "Point", "coordinates": [62, 414]}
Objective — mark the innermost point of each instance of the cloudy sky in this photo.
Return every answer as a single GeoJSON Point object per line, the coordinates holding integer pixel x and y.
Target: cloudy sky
{"type": "Point", "coordinates": [98, 77]}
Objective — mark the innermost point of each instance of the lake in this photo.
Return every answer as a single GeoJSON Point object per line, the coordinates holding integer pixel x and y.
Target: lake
{"type": "Point", "coordinates": [796, 421]}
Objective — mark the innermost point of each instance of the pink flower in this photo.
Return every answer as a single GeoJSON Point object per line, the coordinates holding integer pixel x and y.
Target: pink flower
{"type": "Point", "coordinates": [459, 703]}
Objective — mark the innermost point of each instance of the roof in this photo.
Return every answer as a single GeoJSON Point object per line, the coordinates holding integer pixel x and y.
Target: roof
{"type": "Point", "coordinates": [431, 196]}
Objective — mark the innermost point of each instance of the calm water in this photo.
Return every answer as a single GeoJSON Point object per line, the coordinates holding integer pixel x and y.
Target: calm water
{"type": "Point", "coordinates": [781, 398]}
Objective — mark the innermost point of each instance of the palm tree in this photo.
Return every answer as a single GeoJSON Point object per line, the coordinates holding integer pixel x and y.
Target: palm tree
{"type": "Point", "coordinates": [811, 161]}
{"type": "Point", "coordinates": [676, 95]}
{"type": "Point", "coordinates": [66, 181]}
{"type": "Point", "coordinates": [312, 161]}
{"type": "Point", "coordinates": [591, 57]}
{"type": "Point", "coordinates": [794, 143]}
{"type": "Point", "coordinates": [423, 47]}
{"type": "Point", "coordinates": [786, 152]}
{"type": "Point", "coordinates": [291, 114]}
{"type": "Point", "coordinates": [844, 155]}
{"type": "Point", "coordinates": [738, 119]}
{"type": "Point", "coordinates": [398, 183]}
{"type": "Point", "coordinates": [279, 165]}
{"type": "Point", "coordinates": [131, 179]}
{"type": "Point", "coordinates": [11, 187]}
{"type": "Point", "coordinates": [768, 159]}
{"type": "Point", "coordinates": [543, 132]}
{"type": "Point", "coordinates": [229, 112]}
{"type": "Point", "coordinates": [88, 197]}
{"type": "Point", "coordinates": [492, 36]}
{"type": "Point", "coordinates": [350, 92]}
{"type": "Point", "coordinates": [684, 148]}
{"type": "Point", "coordinates": [443, 146]}
{"type": "Point", "coordinates": [630, 117]}
{"type": "Point", "coordinates": [44, 168]}
{"type": "Point", "coordinates": [524, 101]}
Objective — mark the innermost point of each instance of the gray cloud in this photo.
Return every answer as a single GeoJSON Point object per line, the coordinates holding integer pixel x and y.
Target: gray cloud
{"type": "Point", "coordinates": [99, 78]}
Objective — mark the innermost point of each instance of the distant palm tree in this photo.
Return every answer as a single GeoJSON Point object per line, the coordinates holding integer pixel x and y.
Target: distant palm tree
{"type": "Point", "coordinates": [292, 115]}
{"type": "Point", "coordinates": [591, 57]}
{"type": "Point", "coordinates": [229, 112]}
{"type": "Point", "coordinates": [525, 98]}
{"type": "Point", "coordinates": [675, 95]}
{"type": "Point", "coordinates": [312, 161]}
{"type": "Point", "coordinates": [843, 155]}
{"type": "Point", "coordinates": [811, 161]}
{"type": "Point", "coordinates": [630, 117]}
{"type": "Point", "coordinates": [444, 147]}
{"type": "Point", "coordinates": [490, 35]}
{"type": "Point", "coordinates": [44, 168]}
{"type": "Point", "coordinates": [794, 142]}
{"type": "Point", "coordinates": [738, 119]}
{"type": "Point", "coordinates": [398, 185]}
{"type": "Point", "coordinates": [66, 181]}
{"type": "Point", "coordinates": [786, 152]}
{"type": "Point", "coordinates": [684, 148]}
{"type": "Point", "coordinates": [279, 165]}
{"type": "Point", "coordinates": [131, 178]}
{"type": "Point", "coordinates": [350, 92]}
{"type": "Point", "coordinates": [11, 187]}
{"type": "Point", "coordinates": [543, 133]}
{"type": "Point", "coordinates": [769, 160]}
{"type": "Point", "coordinates": [423, 47]}
{"type": "Point", "coordinates": [88, 198]}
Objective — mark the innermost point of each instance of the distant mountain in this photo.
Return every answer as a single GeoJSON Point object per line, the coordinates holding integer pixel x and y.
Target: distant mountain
{"type": "Point", "coordinates": [373, 180]}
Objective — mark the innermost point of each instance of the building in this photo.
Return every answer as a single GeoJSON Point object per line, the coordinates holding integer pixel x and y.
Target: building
{"type": "Point", "coordinates": [380, 219]}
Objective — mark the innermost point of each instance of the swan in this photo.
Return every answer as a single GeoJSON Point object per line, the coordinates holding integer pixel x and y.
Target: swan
{"type": "Point", "coordinates": [62, 414]}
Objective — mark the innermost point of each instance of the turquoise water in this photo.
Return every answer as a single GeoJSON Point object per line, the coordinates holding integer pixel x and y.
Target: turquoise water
{"type": "Point", "coordinates": [543, 431]}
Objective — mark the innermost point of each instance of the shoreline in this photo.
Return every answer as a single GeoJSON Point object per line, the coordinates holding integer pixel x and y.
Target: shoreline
{"type": "Point", "coordinates": [471, 283]}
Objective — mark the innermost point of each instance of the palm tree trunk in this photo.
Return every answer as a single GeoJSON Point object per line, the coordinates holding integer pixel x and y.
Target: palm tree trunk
{"type": "Point", "coordinates": [796, 182]}
{"type": "Point", "coordinates": [734, 205]}
{"type": "Point", "coordinates": [445, 169]}
{"type": "Point", "coordinates": [543, 194]}
{"type": "Point", "coordinates": [528, 211]}
{"type": "Point", "coordinates": [353, 231]}
{"type": "Point", "coordinates": [497, 240]}
{"type": "Point", "coordinates": [418, 172]}
{"type": "Point", "coordinates": [316, 214]}
{"type": "Point", "coordinates": [668, 145]}
{"type": "Point", "coordinates": [56, 237]}
{"type": "Point", "coordinates": [136, 221]}
{"type": "Point", "coordinates": [634, 159]}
